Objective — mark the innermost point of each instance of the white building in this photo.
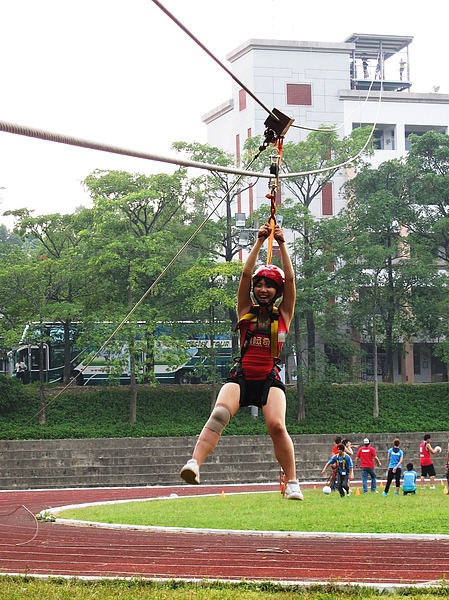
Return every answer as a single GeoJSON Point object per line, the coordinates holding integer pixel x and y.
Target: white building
{"type": "Point", "coordinates": [365, 80]}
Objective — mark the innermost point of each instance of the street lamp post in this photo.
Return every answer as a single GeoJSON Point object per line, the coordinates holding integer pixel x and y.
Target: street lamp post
{"type": "Point", "coordinates": [244, 233]}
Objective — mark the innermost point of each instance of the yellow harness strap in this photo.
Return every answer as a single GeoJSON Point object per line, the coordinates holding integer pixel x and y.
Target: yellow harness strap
{"type": "Point", "coordinates": [274, 334]}
{"type": "Point", "coordinates": [274, 328]}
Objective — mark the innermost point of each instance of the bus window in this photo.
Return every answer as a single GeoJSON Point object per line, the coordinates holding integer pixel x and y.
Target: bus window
{"type": "Point", "coordinates": [35, 359]}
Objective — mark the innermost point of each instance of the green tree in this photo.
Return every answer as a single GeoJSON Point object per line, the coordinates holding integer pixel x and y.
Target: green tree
{"type": "Point", "coordinates": [55, 240]}
{"type": "Point", "coordinates": [140, 222]}
{"type": "Point", "coordinates": [379, 259]}
{"type": "Point", "coordinates": [428, 161]}
{"type": "Point", "coordinates": [28, 286]}
{"type": "Point", "coordinates": [321, 156]}
{"type": "Point", "coordinates": [212, 288]}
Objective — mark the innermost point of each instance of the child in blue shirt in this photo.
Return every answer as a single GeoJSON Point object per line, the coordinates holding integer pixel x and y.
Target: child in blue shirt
{"type": "Point", "coordinates": [409, 482]}
{"type": "Point", "coordinates": [345, 469]}
{"type": "Point", "coordinates": [395, 457]}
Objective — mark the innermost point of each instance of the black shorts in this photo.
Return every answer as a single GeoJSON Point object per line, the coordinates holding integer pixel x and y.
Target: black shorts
{"type": "Point", "coordinates": [256, 392]}
{"type": "Point", "coordinates": [428, 471]}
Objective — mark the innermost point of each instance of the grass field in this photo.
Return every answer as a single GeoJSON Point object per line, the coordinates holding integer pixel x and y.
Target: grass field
{"type": "Point", "coordinates": [427, 512]}
{"type": "Point", "coordinates": [19, 588]}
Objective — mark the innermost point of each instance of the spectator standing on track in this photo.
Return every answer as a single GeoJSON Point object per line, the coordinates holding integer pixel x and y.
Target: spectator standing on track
{"type": "Point", "coordinates": [395, 458]}
{"type": "Point", "coordinates": [366, 455]}
{"type": "Point", "coordinates": [409, 482]}
{"type": "Point", "coordinates": [337, 441]}
{"type": "Point", "coordinates": [425, 461]}
{"type": "Point", "coordinates": [345, 469]}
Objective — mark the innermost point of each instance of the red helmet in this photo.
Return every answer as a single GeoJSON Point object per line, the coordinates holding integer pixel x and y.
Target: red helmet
{"type": "Point", "coordinates": [271, 272]}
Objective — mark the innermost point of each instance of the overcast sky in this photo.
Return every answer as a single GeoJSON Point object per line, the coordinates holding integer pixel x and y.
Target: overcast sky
{"type": "Point", "coordinates": [121, 72]}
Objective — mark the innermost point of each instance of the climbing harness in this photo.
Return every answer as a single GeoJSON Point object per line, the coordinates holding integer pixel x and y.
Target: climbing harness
{"type": "Point", "coordinates": [252, 316]}
{"type": "Point", "coordinates": [237, 373]}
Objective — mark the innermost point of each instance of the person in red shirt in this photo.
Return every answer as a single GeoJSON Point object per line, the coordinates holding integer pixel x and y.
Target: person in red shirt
{"type": "Point", "coordinates": [254, 380]}
{"type": "Point", "coordinates": [366, 455]}
{"type": "Point", "coordinates": [425, 461]}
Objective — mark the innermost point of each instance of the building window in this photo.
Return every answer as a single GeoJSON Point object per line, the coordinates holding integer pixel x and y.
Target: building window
{"type": "Point", "coordinates": [417, 359]}
{"type": "Point", "coordinates": [420, 130]}
{"type": "Point", "coordinates": [237, 149]}
{"type": "Point", "coordinates": [242, 100]}
{"type": "Point", "coordinates": [327, 209]}
{"type": "Point", "coordinates": [384, 136]}
{"type": "Point", "coordinates": [299, 94]}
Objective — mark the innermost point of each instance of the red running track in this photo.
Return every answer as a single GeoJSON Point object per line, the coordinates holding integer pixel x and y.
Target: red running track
{"type": "Point", "coordinates": [53, 549]}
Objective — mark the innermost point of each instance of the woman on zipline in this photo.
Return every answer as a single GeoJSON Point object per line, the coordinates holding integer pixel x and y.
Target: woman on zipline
{"type": "Point", "coordinates": [254, 379]}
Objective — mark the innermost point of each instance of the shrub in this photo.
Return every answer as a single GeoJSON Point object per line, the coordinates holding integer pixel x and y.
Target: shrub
{"type": "Point", "coordinates": [12, 393]}
{"type": "Point", "coordinates": [182, 411]}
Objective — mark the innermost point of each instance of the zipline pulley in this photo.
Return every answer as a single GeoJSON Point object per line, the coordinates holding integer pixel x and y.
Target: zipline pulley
{"type": "Point", "coordinates": [276, 126]}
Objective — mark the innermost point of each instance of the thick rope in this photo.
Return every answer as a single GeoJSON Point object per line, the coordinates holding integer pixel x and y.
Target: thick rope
{"type": "Point", "coordinates": [68, 140]}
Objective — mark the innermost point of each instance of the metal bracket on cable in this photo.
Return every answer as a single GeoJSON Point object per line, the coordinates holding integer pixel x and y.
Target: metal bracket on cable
{"type": "Point", "coordinates": [275, 129]}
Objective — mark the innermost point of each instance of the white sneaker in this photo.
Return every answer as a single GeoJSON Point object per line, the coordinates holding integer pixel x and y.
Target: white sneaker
{"type": "Point", "coordinates": [293, 491]}
{"type": "Point", "coordinates": [190, 472]}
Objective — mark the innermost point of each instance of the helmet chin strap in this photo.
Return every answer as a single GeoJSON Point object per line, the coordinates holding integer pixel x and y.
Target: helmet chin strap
{"type": "Point", "coordinates": [270, 302]}
{"type": "Point", "coordinates": [266, 304]}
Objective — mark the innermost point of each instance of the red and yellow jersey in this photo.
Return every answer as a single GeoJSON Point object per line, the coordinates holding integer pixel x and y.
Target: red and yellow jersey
{"type": "Point", "coordinates": [257, 361]}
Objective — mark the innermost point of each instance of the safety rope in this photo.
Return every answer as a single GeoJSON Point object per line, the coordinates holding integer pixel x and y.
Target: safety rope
{"type": "Point", "coordinates": [274, 188]}
{"type": "Point", "coordinates": [277, 125]}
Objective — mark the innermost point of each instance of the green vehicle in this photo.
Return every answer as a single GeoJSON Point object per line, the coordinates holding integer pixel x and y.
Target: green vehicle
{"type": "Point", "coordinates": [183, 353]}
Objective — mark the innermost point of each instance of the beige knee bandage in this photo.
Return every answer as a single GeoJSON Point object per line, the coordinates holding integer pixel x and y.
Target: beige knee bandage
{"type": "Point", "coordinates": [218, 419]}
